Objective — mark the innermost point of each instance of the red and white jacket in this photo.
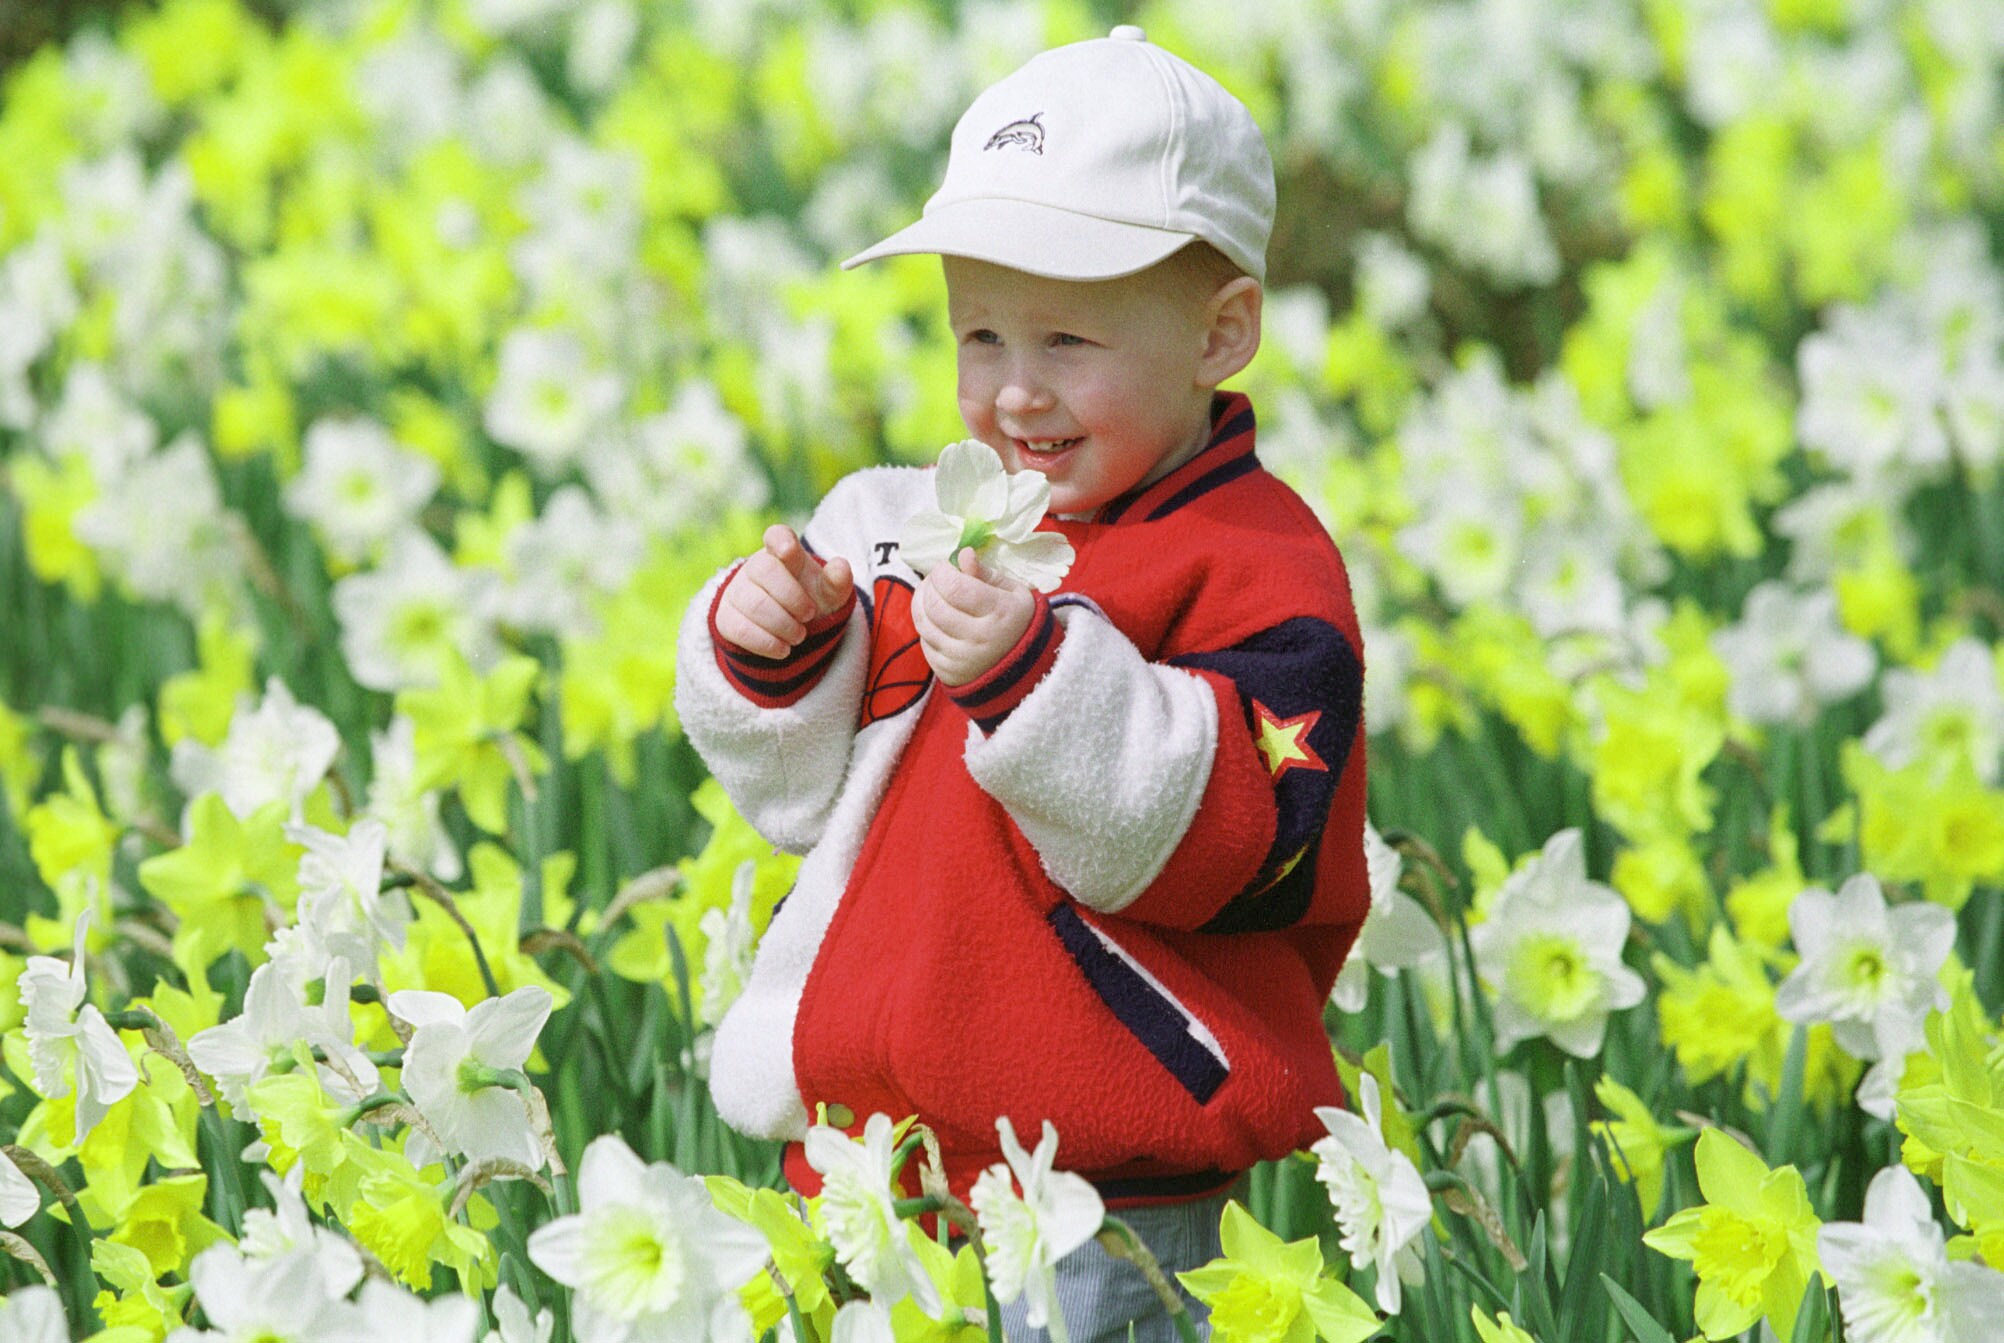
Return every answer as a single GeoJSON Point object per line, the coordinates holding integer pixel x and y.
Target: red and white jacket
{"type": "Point", "coordinates": [1109, 884]}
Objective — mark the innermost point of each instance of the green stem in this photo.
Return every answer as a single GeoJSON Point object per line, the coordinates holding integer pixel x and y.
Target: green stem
{"type": "Point", "coordinates": [1120, 1241]}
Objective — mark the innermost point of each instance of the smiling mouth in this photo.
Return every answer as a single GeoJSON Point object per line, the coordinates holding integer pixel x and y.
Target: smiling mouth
{"type": "Point", "coordinates": [1046, 447]}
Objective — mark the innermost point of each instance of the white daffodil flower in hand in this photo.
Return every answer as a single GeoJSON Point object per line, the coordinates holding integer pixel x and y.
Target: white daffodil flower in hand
{"type": "Point", "coordinates": [1028, 1234]}
{"type": "Point", "coordinates": [984, 508]}
{"type": "Point", "coordinates": [69, 1041]}
{"type": "Point", "coordinates": [457, 1066]}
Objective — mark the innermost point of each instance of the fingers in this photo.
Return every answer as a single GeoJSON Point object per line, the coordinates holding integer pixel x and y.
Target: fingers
{"type": "Point", "coordinates": [832, 582]}
{"type": "Point", "coordinates": [970, 588]}
{"type": "Point", "coordinates": [824, 586]}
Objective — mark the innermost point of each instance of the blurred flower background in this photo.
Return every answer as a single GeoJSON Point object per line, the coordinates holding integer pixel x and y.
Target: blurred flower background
{"type": "Point", "coordinates": [380, 378]}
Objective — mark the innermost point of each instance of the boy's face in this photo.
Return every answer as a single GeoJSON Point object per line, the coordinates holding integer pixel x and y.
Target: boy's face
{"type": "Point", "coordinates": [1093, 383]}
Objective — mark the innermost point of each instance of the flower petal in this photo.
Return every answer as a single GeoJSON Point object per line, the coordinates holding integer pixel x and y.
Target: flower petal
{"type": "Point", "coordinates": [970, 481]}
{"type": "Point", "coordinates": [1040, 561]}
{"type": "Point", "coordinates": [424, 1007]}
{"type": "Point", "coordinates": [928, 540]}
{"type": "Point", "coordinates": [501, 1032]}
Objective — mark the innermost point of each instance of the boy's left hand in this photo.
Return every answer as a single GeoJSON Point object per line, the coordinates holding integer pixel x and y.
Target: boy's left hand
{"type": "Point", "coordinates": [967, 618]}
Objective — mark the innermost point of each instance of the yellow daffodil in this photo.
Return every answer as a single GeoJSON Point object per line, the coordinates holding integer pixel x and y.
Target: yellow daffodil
{"type": "Point", "coordinates": [1638, 1141]}
{"type": "Point", "coordinates": [1264, 1290]}
{"type": "Point", "coordinates": [1752, 1243]}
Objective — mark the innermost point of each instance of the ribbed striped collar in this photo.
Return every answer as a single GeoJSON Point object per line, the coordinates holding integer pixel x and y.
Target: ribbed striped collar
{"type": "Point", "coordinates": [1225, 458]}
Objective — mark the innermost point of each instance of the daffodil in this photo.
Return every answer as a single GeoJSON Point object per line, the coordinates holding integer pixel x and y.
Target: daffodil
{"type": "Point", "coordinates": [285, 1228]}
{"type": "Point", "coordinates": [33, 1315]}
{"type": "Point", "coordinates": [1501, 1329]}
{"type": "Point", "coordinates": [1864, 961]}
{"type": "Point", "coordinates": [1637, 1140]}
{"type": "Point", "coordinates": [1028, 1233]}
{"type": "Point", "coordinates": [69, 1041]}
{"type": "Point", "coordinates": [19, 1199]}
{"type": "Point", "coordinates": [384, 1310]}
{"type": "Point", "coordinates": [1264, 1290]}
{"type": "Point", "coordinates": [283, 1300]}
{"type": "Point", "coordinates": [402, 1215]}
{"type": "Point", "coordinates": [1397, 933]}
{"type": "Point", "coordinates": [649, 1257]}
{"type": "Point", "coordinates": [1381, 1202]}
{"type": "Point", "coordinates": [1551, 950]}
{"type": "Point", "coordinates": [457, 1069]}
{"type": "Point", "coordinates": [983, 507]}
{"type": "Point", "coordinates": [856, 1212]}
{"type": "Point", "coordinates": [1752, 1243]}
{"type": "Point", "coordinates": [276, 751]}
{"type": "Point", "coordinates": [514, 1324]}
{"type": "Point", "coordinates": [342, 905]}
{"type": "Point", "coordinates": [276, 1022]}
{"type": "Point", "coordinates": [1895, 1283]}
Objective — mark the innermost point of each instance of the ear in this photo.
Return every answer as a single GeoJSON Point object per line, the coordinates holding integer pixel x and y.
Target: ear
{"type": "Point", "coordinates": [1231, 330]}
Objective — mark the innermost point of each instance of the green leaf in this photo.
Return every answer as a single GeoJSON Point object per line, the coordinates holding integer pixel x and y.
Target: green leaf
{"type": "Point", "coordinates": [1781, 1131]}
{"type": "Point", "coordinates": [1812, 1320]}
{"type": "Point", "coordinates": [1645, 1325]}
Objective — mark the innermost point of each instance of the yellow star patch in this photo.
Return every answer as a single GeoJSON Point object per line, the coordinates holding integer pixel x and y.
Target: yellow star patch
{"type": "Point", "coordinates": [1284, 741]}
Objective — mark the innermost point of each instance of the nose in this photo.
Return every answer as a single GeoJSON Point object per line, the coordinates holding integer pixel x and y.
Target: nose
{"type": "Point", "coordinates": [1022, 392]}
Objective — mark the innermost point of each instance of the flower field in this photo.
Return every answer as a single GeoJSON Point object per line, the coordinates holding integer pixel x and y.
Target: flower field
{"type": "Point", "coordinates": [380, 379]}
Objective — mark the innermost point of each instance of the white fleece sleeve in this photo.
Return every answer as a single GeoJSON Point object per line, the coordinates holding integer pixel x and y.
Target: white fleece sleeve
{"type": "Point", "coordinates": [1103, 763]}
{"type": "Point", "coordinates": [783, 767]}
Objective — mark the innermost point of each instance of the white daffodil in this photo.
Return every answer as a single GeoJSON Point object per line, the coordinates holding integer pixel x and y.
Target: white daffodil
{"type": "Point", "coordinates": [1895, 1282]}
{"type": "Point", "coordinates": [1789, 655]}
{"type": "Point", "coordinates": [984, 507]}
{"type": "Point", "coordinates": [514, 1324]}
{"type": "Point", "coordinates": [650, 1258]}
{"type": "Point", "coordinates": [69, 1041]}
{"type": "Point", "coordinates": [452, 1066]}
{"type": "Point", "coordinates": [401, 620]}
{"type": "Point", "coordinates": [19, 1199]}
{"type": "Point", "coordinates": [276, 1021]}
{"type": "Point", "coordinates": [285, 1229]}
{"type": "Point", "coordinates": [727, 952]}
{"type": "Point", "coordinates": [1550, 949]}
{"type": "Point", "coordinates": [33, 1315]}
{"type": "Point", "coordinates": [1398, 934]}
{"type": "Point", "coordinates": [398, 798]}
{"type": "Point", "coordinates": [863, 1322]}
{"type": "Point", "coordinates": [282, 1300]}
{"type": "Point", "coordinates": [1381, 1201]}
{"type": "Point", "coordinates": [359, 486]}
{"type": "Point", "coordinates": [871, 1241]}
{"type": "Point", "coordinates": [1865, 964]}
{"type": "Point", "coordinates": [549, 399]}
{"type": "Point", "coordinates": [342, 903]}
{"type": "Point", "coordinates": [1028, 1234]}
{"type": "Point", "coordinates": [1955, 711]}
{"type": "Point", "coordinates": [386, 1310]}
{"type": "Point", "coordinates": [278, 751]}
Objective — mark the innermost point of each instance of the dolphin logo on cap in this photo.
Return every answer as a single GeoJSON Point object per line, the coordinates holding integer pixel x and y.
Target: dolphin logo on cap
{"type": "Point", "coordinates": [1028, 133]}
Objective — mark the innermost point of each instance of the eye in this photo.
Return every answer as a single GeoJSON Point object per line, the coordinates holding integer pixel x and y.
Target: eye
{"type": "Point", "coordinates": [1067, 338]}
{"type": "Point", "coordinates": [982, 336]}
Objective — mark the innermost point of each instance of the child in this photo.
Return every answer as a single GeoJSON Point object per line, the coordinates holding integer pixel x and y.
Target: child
{"type": "Point", "coordinates": [1094, 857]}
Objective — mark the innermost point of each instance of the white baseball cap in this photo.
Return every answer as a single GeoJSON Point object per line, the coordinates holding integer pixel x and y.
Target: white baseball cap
{"type": "Point", "coordinates": [1096, 160]}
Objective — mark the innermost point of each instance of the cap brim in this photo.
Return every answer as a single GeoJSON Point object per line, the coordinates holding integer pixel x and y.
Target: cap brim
{"type": "Point", "coordinates": [1040, 239]}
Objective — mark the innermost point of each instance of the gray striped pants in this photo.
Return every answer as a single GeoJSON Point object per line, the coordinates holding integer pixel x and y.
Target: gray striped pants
{"type": "Point", "coordinates": [1101, 1296]}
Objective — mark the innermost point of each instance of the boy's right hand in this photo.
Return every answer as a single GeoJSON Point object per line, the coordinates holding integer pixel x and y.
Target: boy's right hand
{"type": "Point", "coordinates": [774, 594]}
